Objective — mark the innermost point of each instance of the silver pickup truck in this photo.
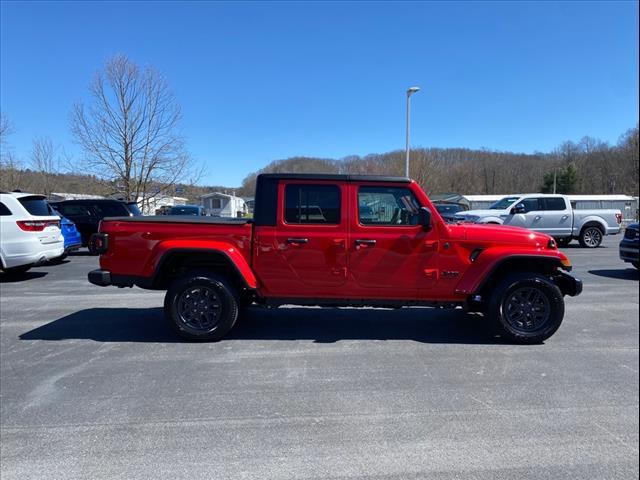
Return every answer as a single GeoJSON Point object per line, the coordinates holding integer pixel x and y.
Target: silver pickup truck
{"type": "Point", "coordinates": [550, 214]}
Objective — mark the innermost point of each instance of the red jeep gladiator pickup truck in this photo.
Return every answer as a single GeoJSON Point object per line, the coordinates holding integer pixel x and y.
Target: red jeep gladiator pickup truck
{"type": "Point", "coordinates": [337, 240]}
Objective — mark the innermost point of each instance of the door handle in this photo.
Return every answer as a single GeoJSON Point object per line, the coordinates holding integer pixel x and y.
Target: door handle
{"type": "Point", "coordinates": [564, 217]}
{"type": "Point", "coordinates": [297, 241]}
{"type": "Point", "coordinates": [537, 217]}
{"type": "Point", "coordinates": [365, 242]}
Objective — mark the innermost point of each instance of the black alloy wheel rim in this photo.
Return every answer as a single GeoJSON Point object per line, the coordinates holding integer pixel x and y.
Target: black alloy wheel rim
{"type": "Point", "coordinates": [199, 309]}
{"type": "Point", "coordinates": [527, 309]}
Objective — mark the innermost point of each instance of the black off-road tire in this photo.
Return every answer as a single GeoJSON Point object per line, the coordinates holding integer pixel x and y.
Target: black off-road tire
{"type": "Point", "coordinates": [507, 317]}
{"type": "Point", "coordinates": [201, 306]}
{"type": "Point", "coordinates": [564, 241]}
{"type": "Point", "coordinates": [591, 237]}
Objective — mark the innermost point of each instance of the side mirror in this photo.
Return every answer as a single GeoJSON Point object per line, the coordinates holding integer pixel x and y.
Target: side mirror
{"type": "Point", "coordinates": [424, 217]}
{"type": "Point", "coordinates": [519, 208]}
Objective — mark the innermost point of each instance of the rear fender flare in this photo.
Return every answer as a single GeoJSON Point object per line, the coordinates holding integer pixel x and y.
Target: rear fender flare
{"type": "Point", "coordinates": [592, 220]}
{"type": "Point", "coordinates": [165, 250]}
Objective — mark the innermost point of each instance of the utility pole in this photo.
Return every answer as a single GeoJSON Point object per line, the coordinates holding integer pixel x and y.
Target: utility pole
{"type": "Point", "coordinates": [410, 92]}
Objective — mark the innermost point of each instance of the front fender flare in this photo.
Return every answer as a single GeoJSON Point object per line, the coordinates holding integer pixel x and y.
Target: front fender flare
{"type": "Point", "coordinates": [480, 271]}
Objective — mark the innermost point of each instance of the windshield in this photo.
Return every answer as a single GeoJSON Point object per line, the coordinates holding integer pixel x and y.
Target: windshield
{"type": "Point", "coordinates": [448, 208]}
{"type": "Point", "coordinates": [183, 210]}
{"type": "Point", "coordinates": [503, 203]}
{"type": "Point", "coordinates": [133, 208]}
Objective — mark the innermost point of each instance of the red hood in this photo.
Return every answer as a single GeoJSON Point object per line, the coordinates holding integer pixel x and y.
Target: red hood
{"type": "Point", "coordinates": [499, 234]}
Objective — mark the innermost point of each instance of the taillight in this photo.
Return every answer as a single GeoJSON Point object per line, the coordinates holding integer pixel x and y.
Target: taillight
{"type": "Point", "coordinates": [619, 218]}
{"type": "Point", "coordinates": [99, 243]}
{"type": "Point", "coordinates": [37, 225]}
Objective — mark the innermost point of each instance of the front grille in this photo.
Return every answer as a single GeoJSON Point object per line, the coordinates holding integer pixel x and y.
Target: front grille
{"type": "Point", "coordinates": [631, 233]}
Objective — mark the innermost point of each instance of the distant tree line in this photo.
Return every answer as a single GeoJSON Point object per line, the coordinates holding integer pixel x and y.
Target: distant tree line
{"type": "Point", "coordinates": [588, 166]}
{"type": "Point", "coordinates": [129, 132]}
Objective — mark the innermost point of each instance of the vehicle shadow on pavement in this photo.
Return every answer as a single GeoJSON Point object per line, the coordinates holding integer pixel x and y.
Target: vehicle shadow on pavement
{"type": "Point", "coordinates": [619, 273]}
{"type": "Point", "coordinates": [326, 325]}
{"type": "Point", "coordinates": [22, 277]}
{"type": "Point", "coordinates": [107, 325]}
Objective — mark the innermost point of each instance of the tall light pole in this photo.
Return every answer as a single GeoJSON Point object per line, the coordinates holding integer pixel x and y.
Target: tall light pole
{"type": "Point", "coordinates": [410, 92]}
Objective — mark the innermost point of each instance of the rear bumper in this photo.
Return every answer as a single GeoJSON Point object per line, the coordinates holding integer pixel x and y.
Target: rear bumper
{"type": "Point", "coordinates": [104, 278]}
{"type": "Point", "coordinates": [568, 284]}
{"type": "Point", "coordinates": [38, 257]}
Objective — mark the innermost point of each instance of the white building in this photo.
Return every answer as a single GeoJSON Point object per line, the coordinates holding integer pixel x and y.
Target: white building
{"type": "Point", "coordinates": [157, 205]}
{"type": "Point", "coordinates": [59, 197]}
{"type": "Point", "coordinates": [219, 204]}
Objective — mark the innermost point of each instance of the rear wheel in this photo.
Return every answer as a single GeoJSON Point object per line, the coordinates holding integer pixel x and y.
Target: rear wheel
{"type": "Point", "coordinates": [17, 270]}
{"type": "Point", "coordinates": [591, 237]}
{"type": "Point", "coordinates": [201, 306]}
{"type": "Point", "coordinates": [526, 308]}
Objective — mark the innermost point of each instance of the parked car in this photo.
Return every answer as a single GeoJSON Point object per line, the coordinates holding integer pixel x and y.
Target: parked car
{"type": "Point", "coordinates": [448, 210]}
{"type": "Point", "coordinates": [402, 254]}
{"type": "Point", "coordinates": [630, 245]}
{"type": "Point", "coordinates": [87, 214]}
{"type": "Point", "coordinates": [196, 210]}
{"type": "Point", "coordinates": [29, 233]}
{"type": "Point", "coordinates": [72, 237]}
{"type": "Point", "coordinates": [550, 214]}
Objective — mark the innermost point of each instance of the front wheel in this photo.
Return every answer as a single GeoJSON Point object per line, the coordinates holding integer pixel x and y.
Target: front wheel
{"type": "Point", "coordinates": [526, 308]}
{"type": "Point", "coordinates": [201, 306]}
{"type": "Point", "coordinates": [591, 237]}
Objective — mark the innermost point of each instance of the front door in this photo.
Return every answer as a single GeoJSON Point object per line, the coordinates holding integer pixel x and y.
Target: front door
{"type": "Point", "coordinates": [390, 255]}
{"type": "Point", "coordinates": [532, 217]}
{"type": "Point", "coordinates": [304, 255]}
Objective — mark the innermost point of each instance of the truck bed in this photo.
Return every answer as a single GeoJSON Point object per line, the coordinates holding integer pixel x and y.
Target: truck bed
{"type": "Point", "coordinates": [138, 244]}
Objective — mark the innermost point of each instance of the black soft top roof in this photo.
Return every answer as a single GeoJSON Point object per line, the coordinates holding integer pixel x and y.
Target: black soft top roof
{"type": "Point", "coordinates": [334, 177]}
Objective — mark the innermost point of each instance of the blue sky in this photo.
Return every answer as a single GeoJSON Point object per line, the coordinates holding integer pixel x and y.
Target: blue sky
{"type": "Point", "coordinates": [265, 81]}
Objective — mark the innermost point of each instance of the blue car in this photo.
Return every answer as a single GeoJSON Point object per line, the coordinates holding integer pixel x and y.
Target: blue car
{"type": "Point", "coordinates": [71, 235]}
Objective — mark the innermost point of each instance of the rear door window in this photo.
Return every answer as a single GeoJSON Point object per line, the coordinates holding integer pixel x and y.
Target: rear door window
{"type": "Point", "coordinates": [312, 204]}
{"type": "Point", "coordinates": [36, 206]}
{"type": "Point", "coordinates": [73, 209]}
{"type": "Point", "coordinates": [111, 210]}
{"type": "Point", "coordinates": [554, 203]}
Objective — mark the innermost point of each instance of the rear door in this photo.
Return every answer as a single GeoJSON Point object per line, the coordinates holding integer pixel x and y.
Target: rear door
{"type": "Point", "coordinates": [83, 216]}
{"type": "Point", "coordinates": [390, 255]}
{"type": "Point", "coordinates": [558, 218]}
{"type": "Point", "coordinates": [304, 255]}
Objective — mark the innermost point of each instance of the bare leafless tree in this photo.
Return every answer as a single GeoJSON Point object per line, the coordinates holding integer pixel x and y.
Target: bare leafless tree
{"type": "Point", "coordinates": [44, 161]}
{"type": "Point", "coordinates": [129, 131]}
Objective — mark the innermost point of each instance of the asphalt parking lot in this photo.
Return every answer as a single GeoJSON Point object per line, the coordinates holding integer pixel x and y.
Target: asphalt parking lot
{"type": "Point", "coordinates": [94, 385]}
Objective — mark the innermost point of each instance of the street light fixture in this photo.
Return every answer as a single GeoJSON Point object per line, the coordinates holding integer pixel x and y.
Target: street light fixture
{"type": "Point", "coordinates": [410, 92]}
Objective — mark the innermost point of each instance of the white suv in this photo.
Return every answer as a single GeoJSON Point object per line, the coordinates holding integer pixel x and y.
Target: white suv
{"type": "Point", "coordinates": [29, 234]}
